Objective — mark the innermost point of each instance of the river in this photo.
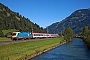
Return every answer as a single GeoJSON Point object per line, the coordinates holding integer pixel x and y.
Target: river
{"type": "Point", "coordinates": [75, 50]}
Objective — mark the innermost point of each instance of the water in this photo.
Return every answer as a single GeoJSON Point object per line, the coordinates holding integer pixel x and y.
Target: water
{"type": "Point", "coordinates": [75, 50]}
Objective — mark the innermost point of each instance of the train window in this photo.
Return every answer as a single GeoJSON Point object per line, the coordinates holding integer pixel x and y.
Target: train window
{"type": "Point", "coordinates": [47, 35]}
{"type": "Point", "coordinates": [34, 34]}
{"type": "Point", "coordinates": [38, 34]}
{"type": "Point", "coordinates": [41, 34]}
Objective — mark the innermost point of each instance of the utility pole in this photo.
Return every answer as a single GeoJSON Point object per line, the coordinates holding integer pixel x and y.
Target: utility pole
{"type": "Point", "coordinates": [47, 32]}
{"type": "Point", "coordinates": [61, 33]}
{"type": "Point", "coordinates": [32, 28]}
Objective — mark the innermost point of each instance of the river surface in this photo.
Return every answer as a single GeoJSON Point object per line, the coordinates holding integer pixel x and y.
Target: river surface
{"type": "Point", "coordinates": [75, 50]}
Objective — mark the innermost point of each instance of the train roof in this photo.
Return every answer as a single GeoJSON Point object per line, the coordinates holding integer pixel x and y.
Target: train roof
{"type": "Point", "coordinates": [38, 32]}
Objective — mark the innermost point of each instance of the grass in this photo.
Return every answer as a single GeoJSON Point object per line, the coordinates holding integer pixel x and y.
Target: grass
{"type": "Point", "coordinates": [10, 30]}
{"type": "Point", "coordinates": [15, 51]}
{"type": "Point", "coordinates": [3, 39]}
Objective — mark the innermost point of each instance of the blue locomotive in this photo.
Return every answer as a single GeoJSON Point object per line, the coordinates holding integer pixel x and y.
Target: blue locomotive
{"type": "Point", "coordinates": [21, 35]}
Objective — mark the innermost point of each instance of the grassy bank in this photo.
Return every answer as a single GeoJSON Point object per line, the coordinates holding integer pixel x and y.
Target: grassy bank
{"type": "Point", "coordinates": [3, 39]}
{"type": "Point", "coordinates": [20, 50]}
{"type": "Point", "coordinates": [7, 31]}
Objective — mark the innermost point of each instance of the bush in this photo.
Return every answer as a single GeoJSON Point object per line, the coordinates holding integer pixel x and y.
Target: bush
{"type": "Point", "coordinates": [1, 34]}
{"type": "Point", "coordinates": [8, 34]}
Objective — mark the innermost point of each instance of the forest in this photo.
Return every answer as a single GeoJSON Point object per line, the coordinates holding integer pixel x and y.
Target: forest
{"type": "Point", "coordinates": [14, 20]}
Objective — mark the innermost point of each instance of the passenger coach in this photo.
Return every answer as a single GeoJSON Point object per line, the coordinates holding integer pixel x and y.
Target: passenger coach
{"type": "Point", "coordinates": [44, 35]}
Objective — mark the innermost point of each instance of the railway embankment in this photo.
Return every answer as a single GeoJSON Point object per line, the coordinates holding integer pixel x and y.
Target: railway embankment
{"type": "Point", "coordinates": [28, 50]}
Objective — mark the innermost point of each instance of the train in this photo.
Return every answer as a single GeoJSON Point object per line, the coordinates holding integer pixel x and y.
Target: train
{"type": "Point", "coordinates": [33, 35]}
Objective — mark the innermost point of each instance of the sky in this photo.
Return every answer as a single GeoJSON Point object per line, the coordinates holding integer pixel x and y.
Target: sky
{"type": "Point", "coordinates": [46, 12]}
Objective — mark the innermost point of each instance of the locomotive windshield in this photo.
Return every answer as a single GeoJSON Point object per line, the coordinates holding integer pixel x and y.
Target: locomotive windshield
{"type": "Point", "coordinates": [13, 34]}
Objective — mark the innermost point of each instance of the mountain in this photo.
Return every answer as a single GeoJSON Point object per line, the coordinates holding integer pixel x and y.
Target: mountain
{"type": "Point", "coordinates": [13, 20]}
{"type": "Point", "coordinates": [77, 20]}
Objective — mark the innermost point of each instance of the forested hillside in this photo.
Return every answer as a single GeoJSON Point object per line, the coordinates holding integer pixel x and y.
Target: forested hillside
{"type": "Point", "coordinates": [13, 20]}
{"type": "Point", "coordinates": [77, 20]}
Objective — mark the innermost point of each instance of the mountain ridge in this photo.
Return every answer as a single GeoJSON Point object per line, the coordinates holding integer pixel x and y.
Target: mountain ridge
{"type": "Point", "coordinates": [77, 20]}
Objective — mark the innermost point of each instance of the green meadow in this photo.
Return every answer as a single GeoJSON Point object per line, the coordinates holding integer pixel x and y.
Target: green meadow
{"type": "Point", "coordinates": [16, 51]}
{"type": "Point", "coordinates": [3, 39]}
{"type": "Point", "coordinates": [7, 31]}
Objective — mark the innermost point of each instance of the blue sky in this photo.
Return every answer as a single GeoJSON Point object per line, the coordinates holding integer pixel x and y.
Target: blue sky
{"type": "Point", "coordinates": [46, 12]}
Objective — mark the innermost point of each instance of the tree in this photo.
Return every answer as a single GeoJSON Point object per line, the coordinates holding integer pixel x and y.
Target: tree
{"type": "Point", "coordinates": [1, 33]}
{"type": "Point", "coordinates": [17, 13]}
{"type": "Point", "coordinates": [20, 29]}
{"type": "Point", "coordinates": [60, 34]}
{"type": "Point", "coordinates": [68, 34]}
{"type": "Point", "coordinates": [85, 33]}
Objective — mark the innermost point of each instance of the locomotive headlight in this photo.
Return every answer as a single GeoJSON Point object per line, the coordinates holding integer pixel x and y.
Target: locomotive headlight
{"type": "Point", "coordinates": [13, 36]}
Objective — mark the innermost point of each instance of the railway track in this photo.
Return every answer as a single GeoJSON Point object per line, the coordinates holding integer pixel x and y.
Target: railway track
{"type": "Point", "coordinates": [19, 41]}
